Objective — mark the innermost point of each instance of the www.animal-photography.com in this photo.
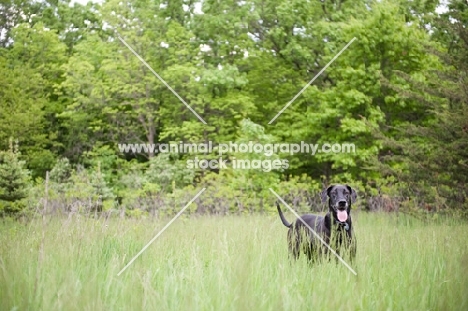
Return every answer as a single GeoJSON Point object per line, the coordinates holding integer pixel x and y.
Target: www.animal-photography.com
{"type": "Point", "coordinates": [233, 155]}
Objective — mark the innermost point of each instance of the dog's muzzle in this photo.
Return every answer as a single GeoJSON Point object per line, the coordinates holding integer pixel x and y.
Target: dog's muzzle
{"type": "Point", "coordinates": [341, 211]}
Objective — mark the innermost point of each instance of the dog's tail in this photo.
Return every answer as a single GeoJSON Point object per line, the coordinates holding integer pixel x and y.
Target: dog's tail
{"type": "Point", "coordinates": [283, 219]}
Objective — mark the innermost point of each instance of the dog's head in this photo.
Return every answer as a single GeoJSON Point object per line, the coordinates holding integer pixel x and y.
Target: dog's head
{"type": "Point", "coordinates": [340, 198]}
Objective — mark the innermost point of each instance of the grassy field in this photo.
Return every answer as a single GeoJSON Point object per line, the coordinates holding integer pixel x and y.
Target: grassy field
{"type": "Point", "coordinates": [229, 263]}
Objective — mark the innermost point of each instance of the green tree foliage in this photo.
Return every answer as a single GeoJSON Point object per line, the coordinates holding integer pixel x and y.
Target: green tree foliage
{"type": "Point", "coordinates": [431, 156]}
{"type": "Point", "coordinates": [30, 71]}
{"type": "Point", "coordinates": [14, 181]}
{"type": "Point", "coordinates": [72, 88]}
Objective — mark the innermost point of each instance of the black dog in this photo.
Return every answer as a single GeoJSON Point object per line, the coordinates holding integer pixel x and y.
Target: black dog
{"type": "Point", "coordinates": [335, 228]}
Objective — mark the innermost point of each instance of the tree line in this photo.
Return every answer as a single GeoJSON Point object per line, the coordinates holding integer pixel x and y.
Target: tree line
{"type": "Point", "coordinates": [72, 90]}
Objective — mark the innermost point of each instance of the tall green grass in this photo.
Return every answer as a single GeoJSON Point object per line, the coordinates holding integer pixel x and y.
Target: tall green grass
{"type": "Point", "coordinates": [228, 263]}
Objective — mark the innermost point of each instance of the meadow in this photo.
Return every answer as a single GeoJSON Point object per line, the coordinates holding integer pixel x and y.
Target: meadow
{"type": "Point", "coordinates": [228, 263]}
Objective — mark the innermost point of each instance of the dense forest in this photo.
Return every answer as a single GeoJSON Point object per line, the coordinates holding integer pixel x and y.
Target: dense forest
{"type": "Point", "coordinates": [73, 89]}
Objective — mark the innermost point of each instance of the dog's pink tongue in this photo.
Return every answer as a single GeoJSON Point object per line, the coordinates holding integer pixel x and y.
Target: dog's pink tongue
{"type": "Point", "coordinates": [342, 215]}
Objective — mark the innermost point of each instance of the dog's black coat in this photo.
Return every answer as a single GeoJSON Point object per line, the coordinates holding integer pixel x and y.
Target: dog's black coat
{"type": "Point", "coordinates": [338, 234]}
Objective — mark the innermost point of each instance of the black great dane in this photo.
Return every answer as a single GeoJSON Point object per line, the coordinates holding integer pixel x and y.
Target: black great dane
{"type": "Point", "coordinates": [335, 228]}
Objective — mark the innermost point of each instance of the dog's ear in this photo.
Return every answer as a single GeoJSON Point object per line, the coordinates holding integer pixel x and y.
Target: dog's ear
{"type": "Point", "coordinates": [326, 193]}
{"type": "Point", "coordinates": [353, 194]}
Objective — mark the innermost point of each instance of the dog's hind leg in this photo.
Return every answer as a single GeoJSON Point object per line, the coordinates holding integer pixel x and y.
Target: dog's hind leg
{"type": "Point", "coordinates": [294, 241]}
